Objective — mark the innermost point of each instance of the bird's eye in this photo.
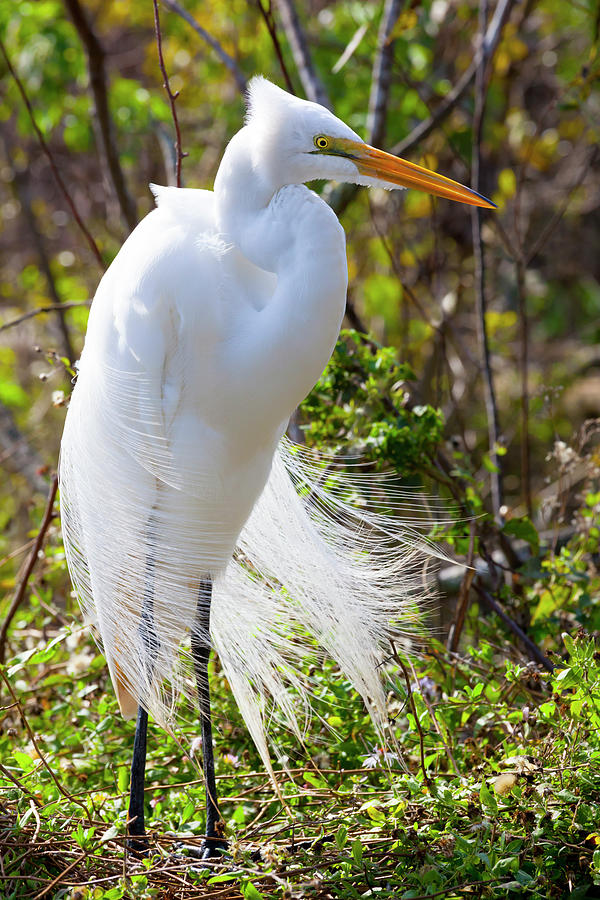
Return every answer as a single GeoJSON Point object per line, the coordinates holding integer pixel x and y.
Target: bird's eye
{"type": "Point", "coordinates": [321, 142]}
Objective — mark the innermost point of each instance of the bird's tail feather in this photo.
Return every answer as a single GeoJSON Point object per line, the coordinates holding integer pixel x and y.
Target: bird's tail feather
{"type": "Point", "coordinates": [328, 560]}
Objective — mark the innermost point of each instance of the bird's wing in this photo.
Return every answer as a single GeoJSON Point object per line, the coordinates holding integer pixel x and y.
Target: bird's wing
{"type": "Point", "coordinates": [136, 447]}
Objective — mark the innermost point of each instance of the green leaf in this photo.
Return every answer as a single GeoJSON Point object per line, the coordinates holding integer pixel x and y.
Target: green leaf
{"type": "Point", "coordinates": [26, 763]}
{"type": "Point", "coordinates": [357, 852]}
{"type": "Point", "coordinates": [487, 798]}
{"type": "Point", "coordinates": [123, 779]}
{"type": "Point", "coordinates": [524, 529]}
{"type": "Point", "coordinates": [187, 812]}
{"type": "Point", "coordinates": [341, 837]}
{"type": "Point", "coordinates": [251, 893]}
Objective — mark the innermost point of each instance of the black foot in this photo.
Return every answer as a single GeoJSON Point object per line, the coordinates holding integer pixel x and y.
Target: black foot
{"type": "Point", "coordinates": [138, 845]}
{"type": "Point", "coordinates": [213, 849]}
{"type": "Point", "coordinates": [208, 849]}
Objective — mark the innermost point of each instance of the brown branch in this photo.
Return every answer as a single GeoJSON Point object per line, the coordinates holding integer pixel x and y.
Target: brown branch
{"type": "Point", "coordinates": [172, 96]}
{"type": "Point", "coordinates": [17, 456]}
{"type": "Point", "coordinates": [61, 875]}
{"type": "Point", "coordinates": [533, 649]}
{"type": "Point", "coordinates": [41, 756]}
{"type": "Point", "coordinates": [267, 15]}
{"type": "Point", "coordinates": [17, 783]}
{"type": "Point", "coordinates": [103, 123]}
{"type": "Point", "coordinates": [29, 566]}
{"type": "Point", "coordinates": [354, 319]}
{"type": "Point", "coordinates": [46, 149]}
{"type": "Point", "coordinates": [225, 58]}
{"type": "Point", "coordinates": [524, 378]}
{"type": "Point", "coordinates": [463, 596]}
{"type": "Point", "coordinates": [340, 197]}
{"type": "Point", "coordinates": [381, 78]}
{"type": "Point", "coordinates": [487, 48]}
{"type": "Point", "coordinates": [549, 228]}
{"type": "Point", "coordinates": [480, 295]}
{"type": "Point", "coordinates": [313, 86]}
{"type": "Point", "coordinates": [413, 707]}
{"type": "Point", "coordinates": [22, 188]}
{"type": "Point", "coordinates": [51, 307]}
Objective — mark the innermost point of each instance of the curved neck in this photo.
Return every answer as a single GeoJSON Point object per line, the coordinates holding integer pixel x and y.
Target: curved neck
{"type": "Point", "coordinates": [242, 194]}
{"type": "Point", "coordinates": [283, 348]}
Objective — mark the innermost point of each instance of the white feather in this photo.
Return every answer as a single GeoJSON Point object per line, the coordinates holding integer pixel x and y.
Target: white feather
{"type": "Point", "coordinates": [216, 318]}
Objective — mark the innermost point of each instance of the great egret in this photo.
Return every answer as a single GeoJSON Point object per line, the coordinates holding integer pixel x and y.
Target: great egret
{"type": "Point", "coordinates": [214, 321]}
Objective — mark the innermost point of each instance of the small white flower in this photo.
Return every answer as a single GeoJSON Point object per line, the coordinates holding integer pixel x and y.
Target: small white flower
{"type": "Point", "coordinates": [380, 756]}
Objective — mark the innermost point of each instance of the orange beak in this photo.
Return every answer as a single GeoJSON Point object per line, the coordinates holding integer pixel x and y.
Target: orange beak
{"type": "Point", "coordinates": [394, 170]}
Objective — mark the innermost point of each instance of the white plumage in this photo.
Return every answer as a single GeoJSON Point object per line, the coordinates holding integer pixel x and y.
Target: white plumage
{"type": "Point", "coordinates": [214, 321]}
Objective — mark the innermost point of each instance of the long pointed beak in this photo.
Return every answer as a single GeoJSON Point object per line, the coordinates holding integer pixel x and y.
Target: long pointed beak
{"type": "Point", "coordinates": [377, 164]}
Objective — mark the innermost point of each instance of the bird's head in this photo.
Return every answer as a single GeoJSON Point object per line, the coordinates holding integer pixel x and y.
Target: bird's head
{"type": "Point", "coordinates": [294, 141]}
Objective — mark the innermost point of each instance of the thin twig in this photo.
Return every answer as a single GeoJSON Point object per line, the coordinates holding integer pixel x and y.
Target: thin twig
{"type": "Point", "coordinates": [340, 197]}
{"type": "Point", "coordinates": [17, 455]}
{"type": "Point", "coordinates": [36, 747]}
{"type": "Point", "coordinates": [62, 874]}
{"type": "Point", "coordinates": [42, 141]}
{"type": "Point", "coordinates": [267, 15]}
{"type": "Point", "coordinates": [533, 649]}
{"type": "Point", "coordinates": [225, 58]}
{"type": "Point", "coordinates": [29, 566]}
{"type": "Point", "coordinates": [172, 96]}
{"type": "Point", "coordinates": [381, 77]}
{"type": "Point", "coordinates": [481, 302]}
{"type": "Point", "coordinates": [51, 307]}
{"type": "Point", "coordinates": [103, 121]}
{"type": "Point", "coordinates": [547, 231]}
{"type": "Point", "coordinates": [413, 706]}
{"type": "Point", "coordinates": [436, 725]}
{"type": "Point", "coordinates": [463, 596]}
{"type": "Point", "coordinates": [22, 188]}
{"type": "Point", "coordinates": [313, 86]}
{"type": "Point", "coordinates": [524, 378]}
{"type": "Point", "coordinates": [487, 48]}
{"type": "Point", "coordinates": [18, 784]}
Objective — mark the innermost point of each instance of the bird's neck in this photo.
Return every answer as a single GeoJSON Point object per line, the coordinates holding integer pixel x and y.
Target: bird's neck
{"type": "Point", "coordinates": [243, 193]}
{"type": "Point", "coordinates": [289, 231]}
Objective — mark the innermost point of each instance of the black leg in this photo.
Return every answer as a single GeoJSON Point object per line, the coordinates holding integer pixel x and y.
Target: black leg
{"type": "Point", "coordinates": [214, 842]}
{"type": "Point", "coordinates": [137, 830]}
{"type": "Point", "coordinates": [149, 650]}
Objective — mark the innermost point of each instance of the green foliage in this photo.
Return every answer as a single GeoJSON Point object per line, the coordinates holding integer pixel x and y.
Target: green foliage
{"type": "Point", "coordinates": [498, 792]}
{"type": "Point", "coordinates": [360, 408]}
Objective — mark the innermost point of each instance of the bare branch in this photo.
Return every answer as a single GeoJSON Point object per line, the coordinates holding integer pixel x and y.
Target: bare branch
{"type": "Point", "coordinates": [16, 454]}
{"type": "Point", "coordinates": [172, 96]}
{"type": "Point", "coordinates": [51, 307]}
{"type": "Point", "coordinates": [103, 122]}
{"type": "Point", "coordinates": [225, 58]}
{"type": "Point", "coordinates": [481, 302]}
{"type": "Point", "coordinates": [267, 15]}
{"type": "Point", "coordinates": [381, 77]}
{"type": "Point", "coordinates": [42, 141]}
{"type": "Point", "coordinates": [548, 229]}
{"type": "Point", "coordinates": [313, 86]}
{"type": "Point", "coordinates": [29, 566]}
{"type": "Point", "coordinates": [340, 198]}
{"type": "Point", "coordinates": [487, 47]}
{"type": "Point", "coordinates": [534, 651]}
{"type": "Point", "coordinates": [22, 189]}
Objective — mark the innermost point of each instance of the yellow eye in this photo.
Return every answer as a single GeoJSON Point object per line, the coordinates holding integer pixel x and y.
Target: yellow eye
{"type": "Point", "coordinates": [321, 142]}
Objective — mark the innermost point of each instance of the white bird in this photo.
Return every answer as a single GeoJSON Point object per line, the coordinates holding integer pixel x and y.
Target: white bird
{"type": "Point", "coordinates": [186, 513]}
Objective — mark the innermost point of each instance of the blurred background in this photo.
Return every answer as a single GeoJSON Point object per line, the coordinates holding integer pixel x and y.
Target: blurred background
{"type": "Point", "coordinates": [90, 73]}
{"type": "Point", "coordinates": [470, 368]}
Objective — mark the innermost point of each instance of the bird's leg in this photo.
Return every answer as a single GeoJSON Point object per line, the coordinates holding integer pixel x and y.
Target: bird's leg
{"type": "Point", "coordinates": [150, 644]}
{"type": "Point", "coordinates": [137, 831]}
{"type": "Point", "coordinates": [214, 842]}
